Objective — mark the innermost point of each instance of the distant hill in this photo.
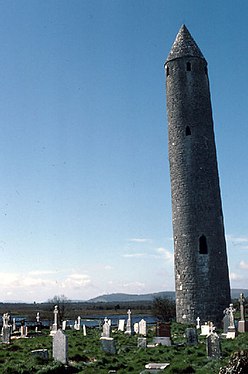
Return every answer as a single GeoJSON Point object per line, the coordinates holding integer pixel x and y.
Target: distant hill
{"type": "Point", "coordinates": [123, 297]}
{"type": "Point", "coordinates": [235, 292]}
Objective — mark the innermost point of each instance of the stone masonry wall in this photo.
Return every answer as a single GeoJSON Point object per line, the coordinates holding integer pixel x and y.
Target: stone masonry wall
{"type": "Point", "coordinates": [201, 270]}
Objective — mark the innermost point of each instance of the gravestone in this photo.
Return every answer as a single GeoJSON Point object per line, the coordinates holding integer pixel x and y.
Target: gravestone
{"type": "Point", "coordinates": [231, 331]}
{"type": "Point", "coordinates": [6, 329]}
{"type": "Point", "coordinates": [64, 323]}
{"type": "Point", "coordinates": [77, 324]}
{"type": "Point", "coordinates": [136, 328]}
{"type": "Point", "coordinates": [24, 331]}
{"type": "Point", "coordinates": [108, 345]}
{"type": "Point", "coordinates": [226, 323]}
{"type": "Point", "coordinates": [198, 326]}
{"type": "Point", "coordinates": [163, 333]}
{"type": "Point", "coordinates": [84, 330]}
{"type": "Point", "coordinates": [54, 328]}
{"type": "Point", "coordinates": [106, 328]}
{"type": "Point", "coordinates": [14, 325]}
{"type": "Point", "coordinates": [38, 324]}
{"type": "Point", "coordinates": [60, 347]}
{"type": "Point", "coordinates": [205, 329]}
{"type": "Point", "coordinates": [163, 329]}
{"type": "Point", "coordinates": [142, 327]}
{"type": "Point", "coordinates": [213, 346]}
{"type": "Point", "coordinates": [242, 322]}
{"type": "Point", "coordinates": [129, 323]}
{"type": "Point", "coordinates": [191, 336]}
{"type": "Point", "coordinates": [157, 366]}
{"type": "Point", "coordinates": [40, 353]}
{"type": "Point", "coordinates": [121, 325]}
{"type": "Point", "coordinates": [141, 343]}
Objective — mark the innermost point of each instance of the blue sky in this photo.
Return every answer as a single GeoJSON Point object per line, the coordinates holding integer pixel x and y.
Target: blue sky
{"type": "Point", "coordinates": [85, 203]}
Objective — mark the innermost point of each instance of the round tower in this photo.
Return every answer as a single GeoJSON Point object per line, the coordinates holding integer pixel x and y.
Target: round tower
{"type": "Point", "coordinates": [201, 269]}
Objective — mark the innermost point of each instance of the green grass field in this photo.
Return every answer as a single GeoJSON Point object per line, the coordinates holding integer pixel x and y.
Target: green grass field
{"type": "Point", "coordinates": [86, 356]}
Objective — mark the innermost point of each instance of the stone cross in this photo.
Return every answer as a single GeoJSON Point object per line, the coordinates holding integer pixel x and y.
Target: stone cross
{"type": "Point", "coordinates": [38, 317]}
{"type": "Point", "coordinates": [230, 312]}
{"type": "Point", "coordinates": [129, 323]}
{"type": "Point", "coordinates": [231, 328]}
{"type": "Point", "coordinates": [56, 312]}
{"type": "Point", "coordinates": [198, 323]}
{"type": "Point", "coordinates": [55, 324]}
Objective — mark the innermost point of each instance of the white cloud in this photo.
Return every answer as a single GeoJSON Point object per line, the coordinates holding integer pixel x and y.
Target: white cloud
{"type": "Point", "coordinates": [76, 281]}
{"type": "Point", "coordinates": [134, 286]}
{"type": "Point", "coordinates": [243, 265]}
{"type": "Point", "coordinates": [139, 240]}
{"type": "Point", "coordinates": [165, 253]}
{"type": "Point", "coordinates": [237, 240]}
{"type": "Point", "coordinates": [133, 255]}
{"type": "Point", "coordinates": [41, 272]}
{"type": "Point", "coordinates": [235, 277]}
{"type": "Point", "coordinates": [108, 267]}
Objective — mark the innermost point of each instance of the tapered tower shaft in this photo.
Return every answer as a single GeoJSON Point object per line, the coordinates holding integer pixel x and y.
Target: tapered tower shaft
{"type": "Point", "coordinates": [201, 269]}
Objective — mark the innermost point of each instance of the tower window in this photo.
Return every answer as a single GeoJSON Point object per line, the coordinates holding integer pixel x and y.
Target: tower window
{"type": "Point", "coordinates": [188, 66]}
{"type": "Point", "coordinates": [187, 131]}
{"type": "Point", "coordinates": [167, 71]}
{"type": "Point", "coordinates": [203, 247]}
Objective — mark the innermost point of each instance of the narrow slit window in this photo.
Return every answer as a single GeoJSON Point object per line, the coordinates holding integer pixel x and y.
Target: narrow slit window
{"type": "Point", "coordinates": [167, 71]}
{"type": "Point", "coordinates": [188, 66]}
{"type": "Point", "coordinates": [188, 131]}
{"type": "Point", "coordinates": [203, 247]}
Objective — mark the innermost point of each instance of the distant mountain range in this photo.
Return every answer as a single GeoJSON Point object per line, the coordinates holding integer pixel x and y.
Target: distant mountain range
{"type": "Point", "coordinates": [123, 297]}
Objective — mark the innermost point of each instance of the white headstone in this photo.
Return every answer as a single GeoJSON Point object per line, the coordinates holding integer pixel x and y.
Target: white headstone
{"type": "Point", "coordinates": [205, 329]}
{"type": "Point", "coordinates": [142, 327]}
{"type": "Point", "coordinates": [121, 325]}
{"type": "Point", "coordinates": [64, 323]}
{"type": "Point", "coordinates": [14, 324]}
{"type": "Point", "coordinates": [60, 347]}
{"type": "Point", "coordinates": [136, 328]}
{"type": "Point", "coordinates": [198, 323]}
{"type": "Point", "coordinates": [84, 330]}
{"type": "Point", "coordinates": [106, 328]}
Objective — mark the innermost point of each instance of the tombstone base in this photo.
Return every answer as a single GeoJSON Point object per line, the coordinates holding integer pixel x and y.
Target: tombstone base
{"type": "Point", "coordinates": [231, 333]}
{"type": "Point", "coordinates": [141, 343]}
{"type": "Point", "coordinates": [241, 326]}
{"type": "Point", "coordinates": [162, 340]}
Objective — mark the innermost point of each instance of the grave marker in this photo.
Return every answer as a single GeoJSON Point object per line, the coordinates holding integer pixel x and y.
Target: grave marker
{"type": "Point", "coordinates": [60, 347]}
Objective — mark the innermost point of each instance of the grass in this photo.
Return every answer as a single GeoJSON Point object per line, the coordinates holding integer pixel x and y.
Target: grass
{"type": "Point", "coordinates": [86, 356]}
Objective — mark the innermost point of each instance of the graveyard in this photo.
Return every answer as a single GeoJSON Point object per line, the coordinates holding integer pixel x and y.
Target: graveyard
{"type": "Point", "coordinates": [124, 347]}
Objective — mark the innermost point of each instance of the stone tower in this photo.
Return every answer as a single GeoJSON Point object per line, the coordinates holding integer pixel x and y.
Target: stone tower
{"type": "Point", "coordinates": [201, 269]}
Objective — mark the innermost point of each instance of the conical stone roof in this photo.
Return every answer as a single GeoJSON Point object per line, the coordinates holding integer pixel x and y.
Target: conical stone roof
{"type": "Point", "coordinates": [184, 45]}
